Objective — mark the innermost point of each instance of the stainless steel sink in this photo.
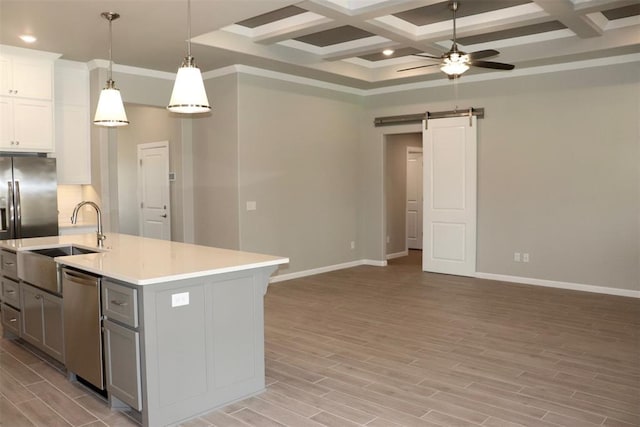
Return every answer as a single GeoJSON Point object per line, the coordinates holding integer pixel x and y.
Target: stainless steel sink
{"type": "Point", "coordinates": [63, 251]}
{"type": "Point", "coordinates": [38, 268]}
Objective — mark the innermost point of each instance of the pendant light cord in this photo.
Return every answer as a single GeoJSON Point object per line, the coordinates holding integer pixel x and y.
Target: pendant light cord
{"type": "Point", "coordinates": [189, 28]}
{"type": "Point", "coordinates": [110, 18]}
{"type": "Point", "coordinates": [454, 7]}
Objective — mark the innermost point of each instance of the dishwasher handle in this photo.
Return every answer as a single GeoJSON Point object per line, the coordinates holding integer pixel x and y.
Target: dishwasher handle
{"type": "Point", "coordinates": [80, 278]}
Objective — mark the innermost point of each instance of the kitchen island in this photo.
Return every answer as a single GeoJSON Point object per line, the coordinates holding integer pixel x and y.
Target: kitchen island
{"type": "Point", "coordinates": [183, 324]}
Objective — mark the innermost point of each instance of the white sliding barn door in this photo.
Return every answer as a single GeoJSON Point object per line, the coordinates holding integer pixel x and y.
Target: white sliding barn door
{"type": "Point", "coordinates": [450, 153]}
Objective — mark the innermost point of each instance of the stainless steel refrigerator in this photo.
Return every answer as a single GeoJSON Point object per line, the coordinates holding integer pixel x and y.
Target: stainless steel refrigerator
{"type": "Point", "coordinates": [28, 197]}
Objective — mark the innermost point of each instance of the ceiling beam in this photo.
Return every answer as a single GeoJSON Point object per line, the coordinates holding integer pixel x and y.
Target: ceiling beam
{"type": "Point", "coordinates": [600, 5]}
{"type": "Point", "coordinates": [563, 11]}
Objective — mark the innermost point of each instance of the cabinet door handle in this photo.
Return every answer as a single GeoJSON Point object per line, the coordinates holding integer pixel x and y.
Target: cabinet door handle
{"type": "Point", "coordinates": [11, 292]}
{"type": "Point", "coordinates": [13, 320]}
{"type": "Point", "coordinates": [38, 296]}
{"type": "Point", "coordinates": [9, 264]}
{"type": "Point", "coordinates": [164, 216]}
{"type": "Point", "coordinates": [119, 303]}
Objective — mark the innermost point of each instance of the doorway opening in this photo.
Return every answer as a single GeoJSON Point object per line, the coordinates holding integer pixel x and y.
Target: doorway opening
{"type": "Point", "coordinates": [403, 202]}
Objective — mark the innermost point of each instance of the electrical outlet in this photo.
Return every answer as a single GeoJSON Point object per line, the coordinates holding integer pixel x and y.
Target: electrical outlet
{"type": "Point", "coordinates": [353, 244]}
{"type": "Point", "coordinates": [525, 257]}
{"type": "Point", "coordinates": [388, 239]}
{"type": "Point", "coordinates": [178, 300]}
{"type": "Point", "coordinates": [516, 256]}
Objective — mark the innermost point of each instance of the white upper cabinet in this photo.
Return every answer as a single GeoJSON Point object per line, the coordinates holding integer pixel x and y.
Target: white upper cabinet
{"type": "Point", "coordinates": [73, 133]}
{"type": "Point", "coordinates": [26, 100]}
{"type": "Point", "coordinates": [26, 77]}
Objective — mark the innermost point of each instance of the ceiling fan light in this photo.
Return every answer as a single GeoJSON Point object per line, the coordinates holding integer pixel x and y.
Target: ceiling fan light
{"type": "Point", "coordinates": [189, 95]}
{"type": "Point", "coordinates": [455, 65]}
{"type": "Point", "coordinates": [110, 111]}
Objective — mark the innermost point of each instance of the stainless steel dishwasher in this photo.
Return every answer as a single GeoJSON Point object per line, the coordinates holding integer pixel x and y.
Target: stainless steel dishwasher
{"type": "Point", "coordinates": [82, 326]}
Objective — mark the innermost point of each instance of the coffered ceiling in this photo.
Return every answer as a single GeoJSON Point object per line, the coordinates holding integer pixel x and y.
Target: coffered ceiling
{"type": "Point", "coordinates": [337, 41]}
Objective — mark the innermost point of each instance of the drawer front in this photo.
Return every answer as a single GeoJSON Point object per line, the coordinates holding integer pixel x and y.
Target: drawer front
{"type": "Point", "coordinates": [10, 292]}
{"type": "Point", "coordinates": [120, 303]}
{"type": "Point", "coordinates": [11, 319]}
{"type": "Point", "coordinates": [9, 264]}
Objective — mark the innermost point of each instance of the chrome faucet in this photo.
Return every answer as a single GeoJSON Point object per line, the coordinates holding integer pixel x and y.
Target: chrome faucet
{"type": "Point", "coordinates": [74, 219]}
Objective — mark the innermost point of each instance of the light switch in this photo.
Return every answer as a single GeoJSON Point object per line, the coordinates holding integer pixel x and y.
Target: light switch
{"type": "Point", "coordinates": [178, 300]}
{"type": "Point", "coordinates": [251, 206]}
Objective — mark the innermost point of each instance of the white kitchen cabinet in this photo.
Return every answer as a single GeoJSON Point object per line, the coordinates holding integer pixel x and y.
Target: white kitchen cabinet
{"type": "Point", "coordinates": [27, 125]}
{"type": "Point", "coordinates": [26, 77]}
{"type": "Point", "coordinates": [26, 100]}
{"type": "Point", "coordinates": [42, 323]}
{"type": "Point", "coordinates": [72, 122]}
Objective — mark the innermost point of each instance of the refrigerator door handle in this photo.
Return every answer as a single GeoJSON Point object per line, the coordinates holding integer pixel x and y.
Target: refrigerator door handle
{"type": "Point", "coordinates": [18, 212]}
{"type": "Point", "coordinates": [12, 212]}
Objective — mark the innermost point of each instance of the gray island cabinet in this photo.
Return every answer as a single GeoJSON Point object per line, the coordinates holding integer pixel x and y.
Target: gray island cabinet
{"type": "Point", "coordinates": [183, 325]}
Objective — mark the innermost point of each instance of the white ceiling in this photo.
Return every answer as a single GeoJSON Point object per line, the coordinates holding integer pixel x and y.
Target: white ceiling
{"type": "Point", "coordinates": [151, 33]}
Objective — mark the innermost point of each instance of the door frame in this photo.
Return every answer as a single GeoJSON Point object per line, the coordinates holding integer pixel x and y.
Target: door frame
{"type": "Point", "coordinates": [406, 220]}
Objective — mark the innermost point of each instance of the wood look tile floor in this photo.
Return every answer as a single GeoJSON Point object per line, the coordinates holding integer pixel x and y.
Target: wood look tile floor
{"type": "Point", "coordinates": [395, 346]}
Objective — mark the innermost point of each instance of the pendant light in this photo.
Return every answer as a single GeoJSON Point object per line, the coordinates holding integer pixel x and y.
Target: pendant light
{"type": "Point", "coordinates": [189, 95]}
{"type": "Point", "coordinates": [110, 111]}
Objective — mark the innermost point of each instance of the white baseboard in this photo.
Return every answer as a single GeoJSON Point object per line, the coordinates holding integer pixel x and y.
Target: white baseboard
{"type": "Point", "coordinates": [374, 262]}
{"type": "Point", "coordinates": [305, 273]}
{"type": "Point", "coordinates": [491, 276]}
{"type": "Point", "coordinates": [398, 254]}
{"type": "Point", "coordinates": [561, 285]}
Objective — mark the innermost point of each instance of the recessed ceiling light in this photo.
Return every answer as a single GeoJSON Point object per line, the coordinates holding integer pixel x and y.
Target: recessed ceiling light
{"type": "Point", "coordinates": [28, 38]}
{"type": "Point", "coordinates": [388, 52]}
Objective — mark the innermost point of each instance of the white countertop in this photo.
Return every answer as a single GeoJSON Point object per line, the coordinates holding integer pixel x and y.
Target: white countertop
{"type": "Point", "coordinates": [143, 261]}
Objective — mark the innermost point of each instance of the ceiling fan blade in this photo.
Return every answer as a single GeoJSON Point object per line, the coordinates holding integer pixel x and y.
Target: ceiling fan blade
{"type": "Point", "coordinates": [482, 54]}
{"type": "Point", "coordinates": [415, 68]}
{"type": "Point", "coordinates": [424, 55]}
{"type": "Point", "coordinates": [493, 65]}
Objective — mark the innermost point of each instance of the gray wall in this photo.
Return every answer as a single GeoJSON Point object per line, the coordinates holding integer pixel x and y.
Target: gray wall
{"type": "Point", "coordinates": [215, 167]}
{"type": "Point", "coordinates": [148, 124]}
{"type": "Point", "coordinates": [395, 176]}
{"type": "Point", "coordinates": [558, 172]}
{"type": "Point", "coordinates": [298, 161]}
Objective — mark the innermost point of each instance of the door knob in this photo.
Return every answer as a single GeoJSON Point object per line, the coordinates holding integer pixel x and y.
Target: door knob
{"type": "Point", "coordinates": [164, 216]}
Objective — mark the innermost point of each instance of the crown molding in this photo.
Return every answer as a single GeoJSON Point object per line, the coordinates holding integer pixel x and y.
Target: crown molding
{"type": "Point", "coordinates": [126, 69]}
{"type": "Point", "coordinates": [500, 75]}
{"type": "Point", "coordinates": [276, 75]}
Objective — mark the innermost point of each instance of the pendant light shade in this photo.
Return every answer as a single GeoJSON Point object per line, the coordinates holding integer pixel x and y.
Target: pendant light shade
{"type": "Point", "coordinates": [189, 95]}
{"type": "Point", "coordinates": [110, 111]}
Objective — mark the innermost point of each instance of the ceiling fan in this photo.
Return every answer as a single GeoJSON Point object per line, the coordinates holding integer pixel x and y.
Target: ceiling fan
{"type": "Point", "coordinates": [455, 62]}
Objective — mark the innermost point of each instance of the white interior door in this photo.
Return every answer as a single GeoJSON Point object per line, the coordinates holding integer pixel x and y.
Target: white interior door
{"type": "Point", "coordinates": [414, 198]}
{"type": "Point", "coordinates": [450, 196]}
{"type": "Point", "coordinates": [153, 190]}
